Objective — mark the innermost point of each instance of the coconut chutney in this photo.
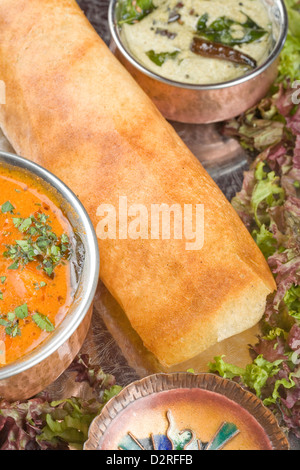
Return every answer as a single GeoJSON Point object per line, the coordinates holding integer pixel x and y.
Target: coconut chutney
{"type": "Point", "coordinates": [159, 34]}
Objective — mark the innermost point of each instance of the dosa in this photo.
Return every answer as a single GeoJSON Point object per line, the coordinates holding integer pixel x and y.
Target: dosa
{"type": "Point", "coordinates": [73, 108]}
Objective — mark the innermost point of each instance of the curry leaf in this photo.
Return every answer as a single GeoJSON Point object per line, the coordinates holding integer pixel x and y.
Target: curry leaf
{"type": "Point", "coordinates": [221, 30]}
{"type": "Point", "coordinates": [131, 11]}
{"type": "Point", "coordinates": [160, 58]}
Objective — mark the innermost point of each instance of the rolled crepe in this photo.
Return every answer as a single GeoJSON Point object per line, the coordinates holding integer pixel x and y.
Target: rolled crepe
{"type": "Point", "coordinates": [73, 108]}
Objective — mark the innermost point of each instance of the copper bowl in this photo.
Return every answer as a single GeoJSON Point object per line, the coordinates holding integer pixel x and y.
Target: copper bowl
{"type": "Point", "coordinates": [32, 373]}
{"type": "Point", "coordinates": [200, 104]}
{"type": "Point", "coordinates": [184, 411]}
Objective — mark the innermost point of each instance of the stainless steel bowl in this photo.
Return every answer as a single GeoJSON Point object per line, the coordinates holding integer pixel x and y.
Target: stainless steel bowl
{"type": "Point", "coordinates": [35, 371]}
{"type": "Point", "coordinates": [199, 104]}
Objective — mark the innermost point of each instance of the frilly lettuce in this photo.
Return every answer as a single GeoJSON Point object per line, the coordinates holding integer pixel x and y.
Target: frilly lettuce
{"type": "Point", "coordinates": [269, 205]}
{"type": "Point", "coordinates": [290, 56]}
{"type": "Point", "coordinates": [45, 424]}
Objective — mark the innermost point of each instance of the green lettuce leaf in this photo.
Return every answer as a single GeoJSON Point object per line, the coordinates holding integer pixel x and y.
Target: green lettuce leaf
{"type": "Point", "coordinates": [265, 241]}
{"type": "Point", "coordinates": [73, 418]}
{"type": "Point", "coordinates": [267, 191]}
{"type": "Point", "coordinates": [224, 369]}
{"type": "Point", "coordinates": [290, 56]}
{"type": "Point", "coordinates": [254, 376]}
{"type": "Point", "coordinates": [269, 206]}
{"type": "Point", "coordinates": [292, 301]}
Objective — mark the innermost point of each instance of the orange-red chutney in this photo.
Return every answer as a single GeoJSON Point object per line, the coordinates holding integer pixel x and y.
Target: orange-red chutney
{"type": "Point", "coordinates": [23, 285]}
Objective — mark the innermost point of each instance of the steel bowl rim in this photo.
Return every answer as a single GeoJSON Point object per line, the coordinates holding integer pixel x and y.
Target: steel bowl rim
{"type": "Point", "coordinates": [53, 343]}
{"type": "Point", "coordinates": [191, 86]}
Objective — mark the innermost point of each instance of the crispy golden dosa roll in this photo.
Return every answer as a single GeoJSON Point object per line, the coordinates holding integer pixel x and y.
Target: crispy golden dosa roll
{"type": "Point", "coordinates": [73, 108]}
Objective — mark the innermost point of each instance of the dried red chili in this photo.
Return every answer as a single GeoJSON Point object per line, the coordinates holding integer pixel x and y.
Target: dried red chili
{"type": "Point", "coordinates": [214, 50]}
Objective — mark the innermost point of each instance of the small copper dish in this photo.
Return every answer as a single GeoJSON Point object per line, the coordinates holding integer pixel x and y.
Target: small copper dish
{"type": "Point", "coordinates": [32, 373]}
{"type": "Point", "coordinates": [184, 411]}
{"type": "Point", "coordinates": [201, 104]}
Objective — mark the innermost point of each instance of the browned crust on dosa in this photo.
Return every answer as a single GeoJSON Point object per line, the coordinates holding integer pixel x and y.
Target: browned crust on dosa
{"type": "Point", "coordinates": [74, 109]}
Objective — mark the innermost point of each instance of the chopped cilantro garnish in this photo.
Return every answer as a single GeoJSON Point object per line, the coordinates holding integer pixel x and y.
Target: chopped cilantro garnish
{"type": "Point", "coordinates": [43, 322]}
{"type": "Point", "coordinates": [40, 244]}
{"type": "Point", "coordinates": [23, 224]}
{"type": "Point", "coordinates": [11, 324]}
{"type": "Point", "coordinates": [7, 207]}
{"type": "Point", "coordinates": [22, 311]}
{"type": "Point", "coordinates": [13, 330]}
{"type": "Point", "coordinates": [14, 266]}
{"type": "Point", "coordinates": [11, 320]}
{"type": "Point", "coordinates": [39, 285]}
{"type": "Point", "coordinates": [4, 322]}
